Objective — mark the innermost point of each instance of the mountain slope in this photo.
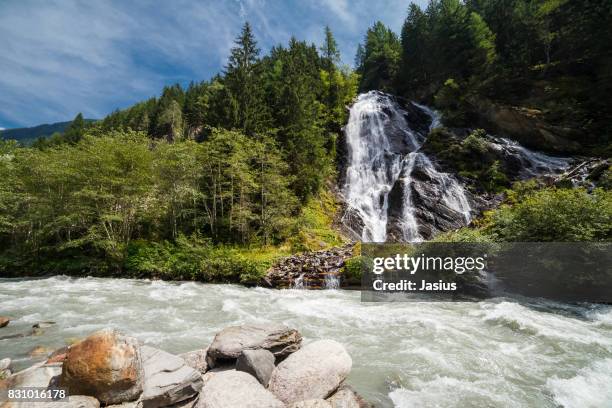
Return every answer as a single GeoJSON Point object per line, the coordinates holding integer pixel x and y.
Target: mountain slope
{"type": "Point", "coordinates": [27, 136]}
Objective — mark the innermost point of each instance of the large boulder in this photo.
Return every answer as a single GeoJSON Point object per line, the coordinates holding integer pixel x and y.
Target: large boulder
{"type": "Point", "coordinates": [313, 403]}
{"type": "Point", "coordinates": [4, 321]}
{"type": "Point", "coordinates": [258, 363]}
{"type": "Point", "coordinates": [229, 343]}
{"type": "Point", "coordinates": [315, 371]}
{"type": "Point", "coordinates": [346, 397]}
{"type": "Point", "coordinates": [235, 389]}
{"type": "Point", "coordinates": [196, 359]}
{"type": "Point", "coordinates": [167, 379]}
{"type": "Point", "coordinates": [106, 365]}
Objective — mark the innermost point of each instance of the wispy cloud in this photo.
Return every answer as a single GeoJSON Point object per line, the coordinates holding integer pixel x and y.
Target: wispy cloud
{"type": "Point", "coordinates": [61, 57]}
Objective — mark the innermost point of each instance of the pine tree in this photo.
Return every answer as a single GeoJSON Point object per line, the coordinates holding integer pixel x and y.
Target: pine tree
{"type": "Point", "coordinates": [75, 131]}
{"type": "Point", "coordinates": [331, 54]}
{"type": "Point", "coordinates": [242, 80]}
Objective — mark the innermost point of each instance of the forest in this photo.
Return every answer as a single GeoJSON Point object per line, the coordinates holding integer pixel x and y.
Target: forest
{"type": "Point", "coordinates": [214, 181]}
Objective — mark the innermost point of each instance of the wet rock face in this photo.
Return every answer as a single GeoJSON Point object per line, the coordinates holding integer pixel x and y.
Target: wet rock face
{"type": "Point", "coordinates": [106, 365]}
{"type": "Point", "coordinates": [432, 213]}
{"type": "Point", "coordinates": [229, 343]}
{"type": "Point", "coordinates": [311, 270]}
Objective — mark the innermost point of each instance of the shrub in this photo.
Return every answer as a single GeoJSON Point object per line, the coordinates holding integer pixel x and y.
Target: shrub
{"type": "Point", "coordinates": [563, 215]}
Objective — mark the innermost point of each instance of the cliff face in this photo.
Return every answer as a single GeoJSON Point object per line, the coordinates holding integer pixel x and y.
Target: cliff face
{"type": "Point", "coordinates": [527, 126]}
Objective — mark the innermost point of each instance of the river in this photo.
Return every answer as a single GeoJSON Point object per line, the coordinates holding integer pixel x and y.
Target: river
{"type": "Point", "coordinates": [494, 353]}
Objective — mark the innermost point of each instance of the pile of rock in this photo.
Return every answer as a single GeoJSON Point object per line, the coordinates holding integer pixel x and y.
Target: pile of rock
{"type": "Point", "coordinates": [310, 270]}
{"type": "Point", "coordinates": [245, 366]}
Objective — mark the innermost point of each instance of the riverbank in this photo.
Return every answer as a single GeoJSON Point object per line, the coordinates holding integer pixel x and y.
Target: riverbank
{"type": "Point", "coordinates": [494, 352]}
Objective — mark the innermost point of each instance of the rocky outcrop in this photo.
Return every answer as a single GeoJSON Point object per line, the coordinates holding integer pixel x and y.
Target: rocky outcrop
{"type": "Point", "coordinates": [258, 363]}
{"type": "Point", "coordinates": [527, 126]}
{"type": "Point", "coordinates": [314, 371]}
{"type": "Point", "coordinates": [235, 389]}
{"type": "Point", "coordinates": [346, 397]}
{"type": "Point", "coordinates": [229, 343]}
{"type": "Point", "coordinates": [106, 365]}
{"type": "Point", "coordinates": [587, 173]}
{"type": "Point", "coordinates": [310, 270]}
{"type": "Point", "coordinates": [196, 359]}
{"type": "Point", "coordinates": [167, 379]}
{"type": "Point", "coordinates": [4, 321]}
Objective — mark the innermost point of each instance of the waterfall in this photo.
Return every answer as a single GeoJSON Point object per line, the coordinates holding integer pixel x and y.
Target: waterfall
{"type": "Point", "coordinates": [377, 137]}
{"type": "Point", "coordinates": [532, 163]}
{"type": "Point", "coordinates": [332, 281]}
{"type": "Point", "coordinates": [298, 283]}
{"type": "Point", "coordinates": [383, 141]}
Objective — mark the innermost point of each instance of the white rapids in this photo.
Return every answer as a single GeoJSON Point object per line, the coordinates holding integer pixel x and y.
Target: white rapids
{"type": "Point", "coordinates": [493, 353]}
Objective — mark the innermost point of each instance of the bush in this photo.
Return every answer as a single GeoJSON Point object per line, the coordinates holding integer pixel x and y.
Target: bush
{"type": "Point", "coordinates": [191, 258]}
{"type": "Point", "coordinates": [353, 269]}
{"type": "Point", "coordinates": [562, 215]}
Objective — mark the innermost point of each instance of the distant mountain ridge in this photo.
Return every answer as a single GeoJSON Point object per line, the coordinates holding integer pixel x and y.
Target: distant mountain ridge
{"type": "Point", "coordinates": [27, 136]}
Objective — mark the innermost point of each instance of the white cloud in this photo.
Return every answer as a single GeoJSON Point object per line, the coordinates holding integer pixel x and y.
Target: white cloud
{"type": "Point", "coordinates": [61, 57]}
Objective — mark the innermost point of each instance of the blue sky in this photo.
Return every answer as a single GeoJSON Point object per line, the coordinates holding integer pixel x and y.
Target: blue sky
{"type": "Point", "coordinates": [61, 57]}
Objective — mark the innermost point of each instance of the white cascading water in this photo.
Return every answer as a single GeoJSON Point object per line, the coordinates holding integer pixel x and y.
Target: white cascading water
{"type": "Point", "coordinates": [532, 163]}
{"type": "Point", "coordinates": [382, 149]}
{"type": "Point", "coordinates": [373, 165]}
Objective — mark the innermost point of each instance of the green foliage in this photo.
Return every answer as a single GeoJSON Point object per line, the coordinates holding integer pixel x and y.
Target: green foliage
{"type": "Point", "coordinates": [353, 270]}
{"type": "Point", "coordinates": [191, 258]}
{"type": "Point", "coordinates": [378, 58]}
{"type": "Point", "coordinates": [90, 200]}
{"type": "Point", "coordinates": [546, 54]}
{"type": "Point", "coordinates": [471, 157]}
{"type": "Point", "coordinates": [314, 229]}
{"type": "Point", "coordinates": [556, 215]}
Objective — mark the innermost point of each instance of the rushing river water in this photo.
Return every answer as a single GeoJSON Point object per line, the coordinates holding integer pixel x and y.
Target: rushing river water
{"type": "Point", "coordinates": [495, 353]}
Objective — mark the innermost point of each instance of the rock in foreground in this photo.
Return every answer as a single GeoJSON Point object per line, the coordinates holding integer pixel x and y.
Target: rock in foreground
{"type": "Point", "coordinates": [167, 379]}
{"type": "Point", "coordinates": [346, 397]}
{"type": "Point", "coordinates": [106, 365]}
{"type": "Point", "coordinates": [258, 363]}
{"type": "Point", "coordinates": [235, 389]}
{"type": "Point", "coordinates": [229, 343]}
{"type": "Point", "coordinates": [196, 359]}
{"type": "Point", "coordinates": [313, 372]}
{"type": "Point", "coordinates": [4, 321]}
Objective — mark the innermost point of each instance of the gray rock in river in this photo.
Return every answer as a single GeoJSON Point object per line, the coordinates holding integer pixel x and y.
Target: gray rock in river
{"type": "Point", "coordinates": [346, 397]}
{"type": "Point", "coordinates": [235, 389]}
{"type": "Point", "coordinates": [39, 375]}
{"type": "Point", "coordinates": [196, 359]}
{"type": "Point", "coordinates": [167, 379]}
{"type": "Point", "coordinates": [228, 344]}
{"type": "Point", "coordinates": [315, 371]}
{"type": "Point", "coordinates": [258, 363]}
